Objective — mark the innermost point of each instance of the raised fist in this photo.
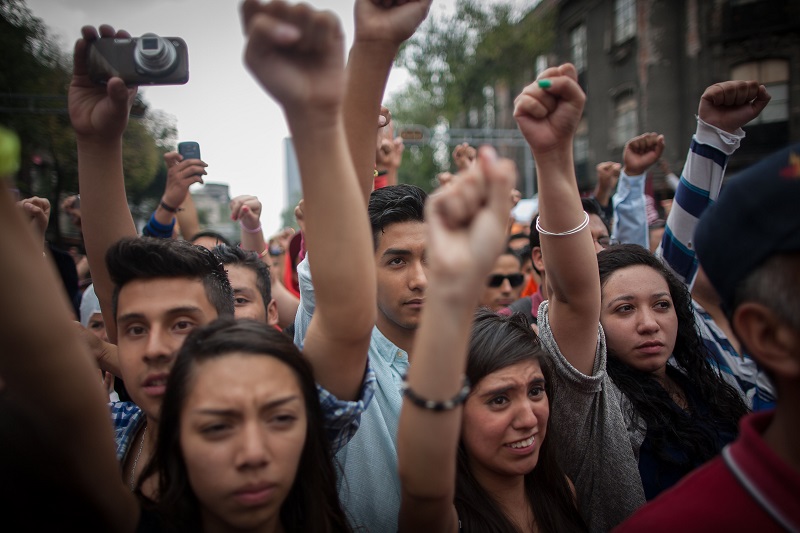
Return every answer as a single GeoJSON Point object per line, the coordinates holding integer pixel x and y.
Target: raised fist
{"type": "Point", "coordinates": [548, 110]}
{"type": "Point", "coordinates": [642, 152]}
{"type": "Point", "coordinates": [732, 104]}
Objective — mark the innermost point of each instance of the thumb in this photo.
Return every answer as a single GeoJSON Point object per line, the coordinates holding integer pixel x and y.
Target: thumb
{"type": "Point", "coordinates": [659, 146]}
{"type": "Point", "coordinates": [762, 99]}
{"type": "Point", "coordinates": [500, 177]}
{"type": "Point", "coordinates": [117, 91]}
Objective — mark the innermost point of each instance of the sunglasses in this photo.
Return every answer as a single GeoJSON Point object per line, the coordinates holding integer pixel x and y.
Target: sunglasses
{"type": "Point", "coordinates": [515, 280]}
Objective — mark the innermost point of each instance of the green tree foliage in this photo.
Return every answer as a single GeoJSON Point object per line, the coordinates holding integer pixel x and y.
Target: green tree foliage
{"type": "Point", "coordinates": [459, 65]}
{"type": "Point", "coordinates": [34, 79]}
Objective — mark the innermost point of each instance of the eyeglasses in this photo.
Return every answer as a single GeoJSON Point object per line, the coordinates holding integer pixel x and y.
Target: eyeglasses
{"type": "Point", "coordinates": [495, 280]}
{"type": "Point", "coordinates": [605, 241]}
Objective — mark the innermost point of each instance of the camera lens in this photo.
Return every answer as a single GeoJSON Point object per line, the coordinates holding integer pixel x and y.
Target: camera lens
{"type": "Point", "coordinates": [155, 55]}
{"type": "Point", "coordinates": [149, 44]}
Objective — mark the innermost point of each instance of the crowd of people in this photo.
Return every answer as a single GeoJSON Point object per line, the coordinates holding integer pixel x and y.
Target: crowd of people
{"type": "Point", "coordinates": [407, 362]}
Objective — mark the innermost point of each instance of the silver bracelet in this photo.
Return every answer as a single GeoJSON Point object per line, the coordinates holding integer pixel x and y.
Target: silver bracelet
{"type": "Point", "coordinates": [573, 231]}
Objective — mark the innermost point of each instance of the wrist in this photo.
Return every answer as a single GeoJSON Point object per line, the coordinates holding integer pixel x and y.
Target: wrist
{"type": "Point", "coordinates": [248, 229]}
{"type": "Point", "coordinates": [306, 120]}
{"type": "Point", "coordinates": [556, 158]}
{"type": "Point", "coordinates": [633, 171]}
{"type": "Point", "coordinates": [170, 205]}
{"type": "Point", "coordinates": [454, 289]}
{"type": "Point", "coordinates": [99, 148]}
{"type": "Point", "coordinates": [711, 135]}
{"type": "Point", "coordinates": [377, 46]}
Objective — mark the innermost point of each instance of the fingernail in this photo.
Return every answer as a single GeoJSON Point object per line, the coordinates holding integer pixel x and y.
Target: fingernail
{"type": "Point", "coordinates": [382, 120]}
{"type": "Point", "coordinates": [544, 84]}
{"type": "Point", "coordinates": [245, 208]}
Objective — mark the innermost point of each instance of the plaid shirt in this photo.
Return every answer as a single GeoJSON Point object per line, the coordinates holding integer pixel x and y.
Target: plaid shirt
{"type": "Point", "coordinates": [127, 419]}
{"type": "Point", "coordinates": [341, 419]}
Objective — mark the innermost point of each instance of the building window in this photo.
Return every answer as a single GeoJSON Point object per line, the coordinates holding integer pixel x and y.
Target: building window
{"type": "Point", "coordinates": [626, 119]}
{"type": "Point", "coordinates": [624, 20]}
{"type": "Point", "coordinates": [578, 47]}
{"type": "Point", "coordinates": [774, 74]}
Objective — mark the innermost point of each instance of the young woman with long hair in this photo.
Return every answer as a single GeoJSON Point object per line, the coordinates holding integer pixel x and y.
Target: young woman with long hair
{"type": "Point", "coordinates": [241, 436]}
{"type": "Point", "coordinates": [488, 466]}
{"type": "Point", "coordinates": [630, 424]}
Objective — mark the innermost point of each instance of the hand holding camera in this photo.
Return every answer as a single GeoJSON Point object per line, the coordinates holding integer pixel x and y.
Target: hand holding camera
{"type": "Point", "coordinates": [98, 113]}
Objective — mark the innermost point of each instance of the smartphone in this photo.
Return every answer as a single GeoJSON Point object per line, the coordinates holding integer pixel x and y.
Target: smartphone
{"type": "Point", "coordinates": [145, 60]}
{"type": "Point", "coordinates": [189, 150]}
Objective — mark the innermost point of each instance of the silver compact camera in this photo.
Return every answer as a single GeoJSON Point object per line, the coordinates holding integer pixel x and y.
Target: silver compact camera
{"type": "Point", "coordinates": [146, 60]}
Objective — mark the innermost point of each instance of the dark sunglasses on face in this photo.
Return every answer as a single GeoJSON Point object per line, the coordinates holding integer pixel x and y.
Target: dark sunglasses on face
{"type": "Point", "coordinates": [515, 280]}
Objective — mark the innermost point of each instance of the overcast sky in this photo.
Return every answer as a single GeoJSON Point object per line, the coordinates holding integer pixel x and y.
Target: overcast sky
{"type": "Point", "coordinates": [239, 128]}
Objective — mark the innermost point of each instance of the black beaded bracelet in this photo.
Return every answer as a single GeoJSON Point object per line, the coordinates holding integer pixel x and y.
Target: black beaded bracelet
{"type": "Point", "coordinates": [169, 208]}
{"type": "Point", "coordinates": [431, 405]}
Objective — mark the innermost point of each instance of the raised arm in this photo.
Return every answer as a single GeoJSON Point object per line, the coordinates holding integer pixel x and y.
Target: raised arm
{"type": "Point", "coordinates": [630, 222]}
{"type": "Point", "coordinates": [381, 26]}
{"type": "Point", "coordinates": [74, 423]}
{"type": "Point", "coordinates": [296, 53]}
{"type": "Point", "coordinates": [247, 210]}
{"type": "Point", "coordinates": [607, 178]}
{"type": "Point", "coordinates": [724, 109]}
{"type": "Point", "coordinates": [547, 113]}
{"type": "Point", "coordinates": [466, 233]}
{"type": "Point", "coordinates": [99, 116]}
{"type": "Point", "coordinates": [181, 173]}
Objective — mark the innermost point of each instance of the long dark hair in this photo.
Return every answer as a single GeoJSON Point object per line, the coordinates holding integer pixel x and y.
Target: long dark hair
{"type": "Point", "coordinates": [312, 503]}
{"type": "Point", "coordinates": [496, 343]}
{"type": "Point", "coordinates": [722, 406]}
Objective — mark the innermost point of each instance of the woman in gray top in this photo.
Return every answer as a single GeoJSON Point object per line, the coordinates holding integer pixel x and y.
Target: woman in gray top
{"type": "Point", "coordinates": [630, 425]}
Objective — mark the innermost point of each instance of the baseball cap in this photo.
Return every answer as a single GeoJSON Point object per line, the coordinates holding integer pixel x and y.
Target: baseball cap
{"type": "Point", "coordinates": [756, 216]}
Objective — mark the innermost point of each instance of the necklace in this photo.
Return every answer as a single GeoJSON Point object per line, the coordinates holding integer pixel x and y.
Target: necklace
{"type": "Point", "coordinates": [136, 459]}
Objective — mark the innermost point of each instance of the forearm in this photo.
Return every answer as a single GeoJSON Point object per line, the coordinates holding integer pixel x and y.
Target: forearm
{"type": "Point", "coordinates": [367, 73]}
{"type": "Point", "coordinates": [106, 217]}
{"type": "Point", "coordinates": [630, 222]}
{"type": "Point", "coordinates": [570, 262]}
{"type": "Point", "coordinates": [32, 356]}
{"type": "Point", "coordinates": [253, 240]}
{"type": "Point", "coordinates": [428, 440]}
{"type": "Point", "coordinates": [602, 195]}
{"type": "Point", "coordinates": [699, 186]}
{"type": "Point", "coordinates": [336, 233]}
{"type": "Point", "coordinates": [108, 359]}
{"type": "Point", "coordinates": [391, 176]}
{"type": "Point", "coordinates": [187, 218]}
{"type": "Point", "coordinates": [571, 265]}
